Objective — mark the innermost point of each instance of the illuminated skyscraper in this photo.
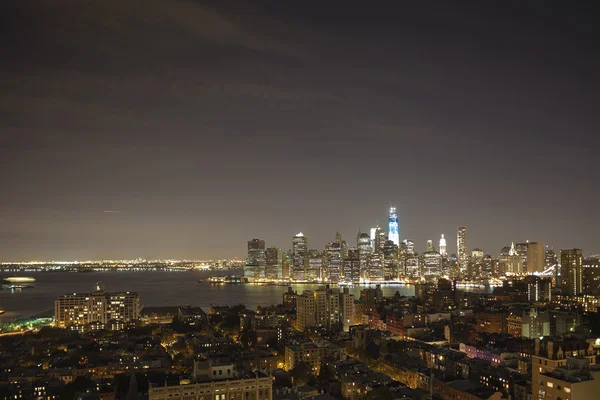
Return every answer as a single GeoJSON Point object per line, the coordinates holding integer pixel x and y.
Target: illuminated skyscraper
{"type": "Point", "coordinates": [412, 265]}
{"type": "Point", "coordinates": [299, 256]}
{"type": "Point", "coordinates": [375, 271]}
{"type": "Point", "coordinates": [432, 264]}
{"type": "Point", "coordinates": [515, 261]}
{"type": "Point", "coordinates": [333, 261]}
{"type": "Point", "coordinates": [380, 240]}
{"type": "Point", "coordinates": [393, 228]}
{"type": "Point", "coordinates": [372, 238]}
{"type": "Point", "coordinates": [461, 244]}
{"type": "Point", "coordinates": [571, 272]}
{"type": "Point", "coordinates": [390, 261]}
{"type": "Point", "coordinates": [364, 250]}
{"type": "Point", "coordinates": [315, 265]}
{"type": "Point", "coordinates": [408, 245]}
{"type": "Point", "coordinates": [352, 266]}
{"type": "Point", "coordinates": [522, 249]}
{"type": "Point", "coordinates": [430, 245]}
{"type": "Point", "coordinates": [535, 257]}
{"type": "Point", "coordinates": [476, 263]}
{"type": "Point", "coordinates": [274, 263]}
{"type": "Point", "coordinates": [256, 260]}
{"type": "Point", "coordinates": [443, 250]}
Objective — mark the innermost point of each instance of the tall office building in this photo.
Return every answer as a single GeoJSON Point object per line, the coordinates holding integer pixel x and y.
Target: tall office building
{"type": "Point", "coordinates": [408, 246]}
{"type": "Point", "coordinates": [274, 263]}
{"type": "Point", "coordinates": [364, 250]}
{"type": "Point", "coordinates": [432, 264]}
{"type": "Point", "coordinates": [380, 238]}
{"type": "Point", "coordinates": [287, 264]}
{"type": "Point", "coordinates": [515, 261]}
{"type": "Point", "coordinates": [256, 260]}
{"type": "Point", "coordinates": [522, 249]}
{"type": "Point", "coordinates": [375, 270]}
{"type": "Point", "coordinates": [315, 265]}
{"type": "Point", "coordinates": [591, 276]}
{"type": "Point", "coordinates": [372, 237]}
{"type": "Point", "coordinates": [487, 268]}
{"type": "Point", "coordinates": [393, 227]}
{"type": "Point", "coordinates": [390, 261]}
{"type": "Point", "coordinates": [462, 253]}
{"type": "Point", "coordinates": [81, 309]}
{"type": "Point", "coordinates": [535, 257]}
{"type": "Point", "coordinates": [412, 265]}
{"type": "Point", "coordinates": [352, 266]}
{"type": "Point", "coordinates": [476, 262]}
{"type": "Point", "coordinates": [299, 256]}
{"type": "Point", "coordinates": [549, 258]}
{"type": "Point", "coordinates": [333, 261]}
{"type": "Point", "coordinates": [443, 249]}
{"type": "Point", "coordinates": [571, 271]}
{"type": "Point", "coordinates": [429, 246]}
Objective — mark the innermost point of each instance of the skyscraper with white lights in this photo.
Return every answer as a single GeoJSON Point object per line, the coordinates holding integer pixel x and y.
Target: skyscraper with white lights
{"type": "Point", "coordinates": [462, 253]}
{"type": "Point", "coordinates": [393, 228]}
{"type": "Point", "coordinates": [443, 251]}
{"type": "Point", "coordinates": [299, 257]}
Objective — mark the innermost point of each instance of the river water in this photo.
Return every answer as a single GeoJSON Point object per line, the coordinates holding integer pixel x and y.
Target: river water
{"type": "Point", "coordinates": [154, 288]}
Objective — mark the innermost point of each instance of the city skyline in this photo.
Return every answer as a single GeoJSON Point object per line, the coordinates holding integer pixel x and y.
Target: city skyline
{"type": "Point", "coordinates": [238, 120]}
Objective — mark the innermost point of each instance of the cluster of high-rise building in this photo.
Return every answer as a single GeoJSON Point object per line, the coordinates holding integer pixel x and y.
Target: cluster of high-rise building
{"type": "Point", "coordinates": [377, 256]}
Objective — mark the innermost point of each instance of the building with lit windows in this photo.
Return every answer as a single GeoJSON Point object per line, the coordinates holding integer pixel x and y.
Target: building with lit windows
{"type": "Point", "coordinates": [352, 266]}
{"type": "Point", "coordinates": [246, 386]}
{"type": "Point", "coordinates": [324, 307]}
{"type": "Point", "coordinates": [274, 263]}
{"type": "Point", "coordinates": [538, 289]}
{"type": "Point", "coordinates": [310, 353]}
{"type": "Point", "coordinates": [375, 270]}
{"type": "Point", "coordinates": [315, 266]}
{"type": "Point", "coordinates": [364, 250]}
{"type": "Point", "coordinates": [515, 261]}
{"type": "Point", "coordinates": [380, 238]}
{"type": "Point", "coordinates": [412, 265]}
{"type": "Point", "coordinates": [591, 276]}
{"type": "Point", "coordinates": [299, 257]}
{"type": "Point", "coordinates": [390, 261]}
{"type": "Point", "coordinates": [432, 264]}
{"type": "Point", "coordinates": [571, 272]}
{"type": "Point", "coordinates": [256, 260]}
{"type": "Point", "coordinates": [558, 354]}
{"type": "Point", "coordinates": [476, 263]}
{"type": "Point", "coordinates": [372, 235]}
{"type": "Point", "coordinates": [443, 247]}
{"type": "Point", "coordinates": [408, 246]}
{"type": "Point", "coordinates": [461, 245]}
{"type": "Point", "coordinates": [99, 307]}
{"type": "Point", "coordinates": [393, 227]}
{"type": "Point", "coordinates": [333, 262]}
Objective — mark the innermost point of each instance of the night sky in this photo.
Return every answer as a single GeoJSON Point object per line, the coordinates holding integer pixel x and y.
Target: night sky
{"type": "Point", "coordinates": [202, 125]}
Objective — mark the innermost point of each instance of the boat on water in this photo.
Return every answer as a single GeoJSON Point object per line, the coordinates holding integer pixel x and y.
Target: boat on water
{"type": "Point", "coordinates": [18, 282]}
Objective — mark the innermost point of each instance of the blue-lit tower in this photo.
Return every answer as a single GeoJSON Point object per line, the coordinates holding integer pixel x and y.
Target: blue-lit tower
{"type": "Point", "coordinates": [393, 231]}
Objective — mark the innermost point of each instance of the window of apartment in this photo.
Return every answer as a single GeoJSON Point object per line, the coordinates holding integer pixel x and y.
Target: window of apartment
{"type": "Point", "coordinates": [550, 384]}
{"type": "Point", "coordinates": [568, 390]}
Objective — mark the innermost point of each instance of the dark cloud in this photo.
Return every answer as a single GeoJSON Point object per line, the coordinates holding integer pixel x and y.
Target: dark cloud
{"type": "Point", "coordinates": [208, 123]}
